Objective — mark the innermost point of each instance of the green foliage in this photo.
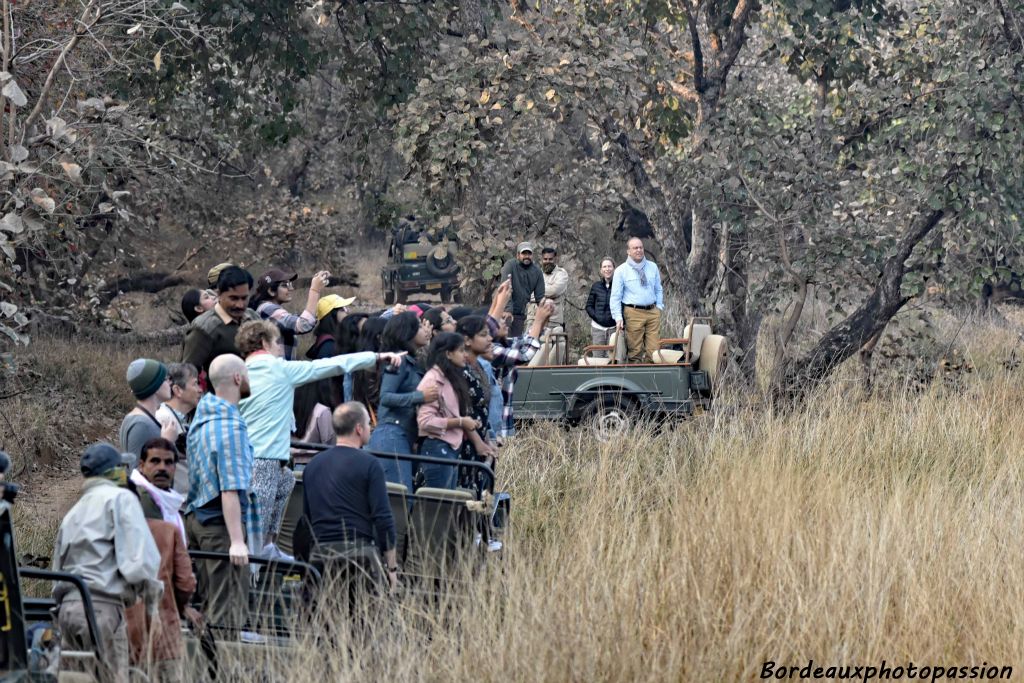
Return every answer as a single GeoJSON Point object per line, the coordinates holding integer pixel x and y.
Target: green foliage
{"type": "Point", "coordinates": [245, 60]}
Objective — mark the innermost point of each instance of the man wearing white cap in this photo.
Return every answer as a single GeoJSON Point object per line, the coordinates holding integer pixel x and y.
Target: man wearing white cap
{"type": "Point", "coordinates": [527, 281]}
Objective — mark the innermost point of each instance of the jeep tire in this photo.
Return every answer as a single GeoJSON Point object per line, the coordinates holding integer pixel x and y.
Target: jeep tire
{"type": "Point", "coordinates": [441, 267]}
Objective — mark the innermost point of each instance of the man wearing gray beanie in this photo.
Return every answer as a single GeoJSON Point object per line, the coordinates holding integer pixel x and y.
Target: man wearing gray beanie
{"type": "Point", "coordinates": [148, 382]}
{"type": "Point", "coordinates": [104, 539]}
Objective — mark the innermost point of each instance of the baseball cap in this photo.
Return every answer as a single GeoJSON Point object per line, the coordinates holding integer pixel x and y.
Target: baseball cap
{"type": "Point", "coordinates": [214, 274]}
{"type": "Point", "coordinates": [100, 458]}
{"type": "Point", "coordinates": [332, 302]}
{"type": "Point", "coordinates": [524, 246]}
{"type": "Point", "coordinates": [276, 275]}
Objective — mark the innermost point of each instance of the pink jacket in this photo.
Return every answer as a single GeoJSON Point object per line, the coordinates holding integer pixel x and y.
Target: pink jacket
{"type": "Point", "coordinates": [432, 417]}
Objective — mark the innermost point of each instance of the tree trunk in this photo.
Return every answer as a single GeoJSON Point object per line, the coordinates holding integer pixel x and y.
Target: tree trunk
{"type": "Point", "coordinates": [669, 229]}
{"type": "Point", "coordinates": [846, 338]}
{"type": "Point", "coordinates": [734, 318]}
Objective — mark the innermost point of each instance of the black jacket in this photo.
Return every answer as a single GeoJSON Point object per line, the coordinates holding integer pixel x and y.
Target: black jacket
{"type": "Point", "coordinates": [526, 282]}
{"type": "Point", "coordinates": [599, 304]}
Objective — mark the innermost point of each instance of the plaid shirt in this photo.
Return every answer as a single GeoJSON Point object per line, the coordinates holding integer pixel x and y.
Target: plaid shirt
{"type": "Point", "coordinates": [289, 324]}
{"type": "Point", "coordinates": [220, 458]}
{"type": "Point", "coordinates": [505, 359]}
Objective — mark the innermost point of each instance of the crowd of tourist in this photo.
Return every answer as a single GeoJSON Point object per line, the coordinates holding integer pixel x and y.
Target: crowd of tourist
{"type": "Point", "coordinates": [206, 459]}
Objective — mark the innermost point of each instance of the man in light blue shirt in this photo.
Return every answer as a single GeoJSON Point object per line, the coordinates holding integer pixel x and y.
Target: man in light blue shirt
{"type": "Point", "coordinates": [637, 303]}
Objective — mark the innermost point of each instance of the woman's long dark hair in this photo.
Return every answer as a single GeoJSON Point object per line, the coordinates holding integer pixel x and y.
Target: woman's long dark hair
{"type": "Point", "coordinates": [306, 398]}
{"type": "Point", "coordinates": [469, 327]}
{"type": "Point", "coordinates": [437, 356]}
{"type": "Point", "coordinates": [366, 383]}
{"type": "Point", "coordinates": [435, 316]}
{"type": "Point", "coordinates": [399, 333]}
{"type": "Point", "coordinates": [262, 293]}
{"type": "Point", "coordinates": [347, 335]}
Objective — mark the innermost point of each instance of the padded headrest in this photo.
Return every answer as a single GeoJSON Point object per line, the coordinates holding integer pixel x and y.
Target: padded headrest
{"type": "Point", "coordinates": [696, 336]}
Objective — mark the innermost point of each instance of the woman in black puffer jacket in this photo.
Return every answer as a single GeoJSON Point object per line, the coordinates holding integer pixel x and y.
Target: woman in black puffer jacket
{"type": "Point", "coordinates": [599, 306]}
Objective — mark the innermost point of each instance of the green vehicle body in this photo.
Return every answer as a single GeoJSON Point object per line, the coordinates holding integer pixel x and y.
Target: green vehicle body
{"type": "Point", "coordinates": [575, 392]}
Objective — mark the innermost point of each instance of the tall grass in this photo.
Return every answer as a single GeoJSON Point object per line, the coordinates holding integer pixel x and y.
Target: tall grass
{"type": "Point", "coordinates": [848, 532]}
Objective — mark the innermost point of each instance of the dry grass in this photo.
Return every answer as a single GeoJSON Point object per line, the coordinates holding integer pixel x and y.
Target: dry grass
{"type": "Point", "coordinates": [849, 532]}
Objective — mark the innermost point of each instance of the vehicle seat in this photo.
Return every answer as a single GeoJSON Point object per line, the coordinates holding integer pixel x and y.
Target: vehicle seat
{"type": "Point", "coordinates": [615, 350]}
{"type": "Point", "coordinates": [697, 336]}
{"type": "Point", "coordinates": [292, 512]}
{"type": "Point", "coordinates": [398, 497]}
{"type": "Point", "coordinates": [552, 350]}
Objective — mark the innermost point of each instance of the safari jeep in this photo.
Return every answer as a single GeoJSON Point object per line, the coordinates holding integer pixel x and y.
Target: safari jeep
{"type": "Point", "coordinates": [419, 262]}
{"type": "Point", "coordinates": [604, 392]}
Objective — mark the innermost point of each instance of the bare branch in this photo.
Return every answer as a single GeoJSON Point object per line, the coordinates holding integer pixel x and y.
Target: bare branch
{"type": "Point", "coordinates": [85, 23]}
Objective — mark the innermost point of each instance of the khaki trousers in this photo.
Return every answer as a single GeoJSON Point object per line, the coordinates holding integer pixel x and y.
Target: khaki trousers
{"type": "Point", "coordinates": [223, 588]}
{"type": "Point", "coordinates": [643, 333]}
{"type": "Point", "coordinates": [113, 667]}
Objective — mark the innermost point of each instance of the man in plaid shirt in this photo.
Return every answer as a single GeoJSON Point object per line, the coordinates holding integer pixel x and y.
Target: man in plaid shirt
{"type": "Point", "coordinates": [220, 460]}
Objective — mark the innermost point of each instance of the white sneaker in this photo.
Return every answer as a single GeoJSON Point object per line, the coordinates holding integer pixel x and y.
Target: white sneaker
{"type": "Point", "coordinates": [494, 546]}
{"type": "Point", "coordinates": [252, 638]}
{"type": "Point", "coordinates": [272, 552]}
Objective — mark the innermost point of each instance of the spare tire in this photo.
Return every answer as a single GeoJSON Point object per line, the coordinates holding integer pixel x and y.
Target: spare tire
{"type": "Point", "coordinates": [714, 356]}
{"type": "Point", "coordinates": [441, 262]}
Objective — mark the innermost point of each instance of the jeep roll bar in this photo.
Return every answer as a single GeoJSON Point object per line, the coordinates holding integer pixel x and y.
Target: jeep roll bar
{"type": "Point", "coordinates": [480, 467]}
{"type": "Point", "coordinates": [83, 590]}
{"type": "Point", "coordinates": [307, 570]}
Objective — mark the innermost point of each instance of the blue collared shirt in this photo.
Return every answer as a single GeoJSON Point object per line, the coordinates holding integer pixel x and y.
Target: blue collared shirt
{"type": "Point", "coordinates": [628, 289]}
{"type": "Point", "coordinates": [220, 456]}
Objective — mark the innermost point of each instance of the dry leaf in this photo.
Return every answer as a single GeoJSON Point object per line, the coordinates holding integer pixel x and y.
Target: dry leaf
{"type": "Point", "coordinates": [43, 200]}
{"type": "Point", "coordinates": [158, 59]}
{"type": "Point", "coordinates": [73, 170]}
{"type": "Point", "coordinates": [12, 92]}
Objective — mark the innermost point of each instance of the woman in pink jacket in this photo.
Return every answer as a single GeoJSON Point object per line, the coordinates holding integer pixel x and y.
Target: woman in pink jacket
{"type": "Point", "coordinates": [445, 423]}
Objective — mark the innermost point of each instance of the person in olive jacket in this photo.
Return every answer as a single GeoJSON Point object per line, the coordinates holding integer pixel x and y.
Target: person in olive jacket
{"type": "Point", "coordinates": [598, 306]}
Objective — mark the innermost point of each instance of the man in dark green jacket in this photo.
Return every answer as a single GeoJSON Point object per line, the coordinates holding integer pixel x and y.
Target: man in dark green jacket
{"type": "Point", "coordinates": [527, 280]}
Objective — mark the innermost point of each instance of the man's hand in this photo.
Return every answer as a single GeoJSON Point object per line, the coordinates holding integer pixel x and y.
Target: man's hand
{"type": "Point", "coordinates": [431, 393]}
{"type": "Point", "coordinates": [320, 280]}
{"type": "Point", "coordinates": [398, 309]}
{"type": "Point", "coordinates": [169, 430]}
{"type": "Point", "coordinates": [393, 359]}
{"type": "Point", "coordinates": [239, 553]}
{"type": "Point", "coordinates": [546, 309]}
{"type": "Point", "coordinates": [503, 293]}
{"type": "Point", "coordinates": [618, 325]}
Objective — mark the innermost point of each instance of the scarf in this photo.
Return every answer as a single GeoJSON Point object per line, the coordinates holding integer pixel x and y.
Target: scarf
{"type": "Point", "coordinates": [640, 268]}
{"type": "Point", "coordinates": [168, 501]}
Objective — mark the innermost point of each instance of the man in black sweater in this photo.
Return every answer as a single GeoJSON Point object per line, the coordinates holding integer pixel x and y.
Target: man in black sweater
{"type": "Point", "coordinates": [527, 281]}
{"type": "Point", "coordinates": [346, 497]}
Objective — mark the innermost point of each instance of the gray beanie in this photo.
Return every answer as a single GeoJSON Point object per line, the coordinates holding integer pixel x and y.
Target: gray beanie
{"type": "Point", "coordinates": [100, 458]}
{"type": "Point", "coordinates": [145, 376]}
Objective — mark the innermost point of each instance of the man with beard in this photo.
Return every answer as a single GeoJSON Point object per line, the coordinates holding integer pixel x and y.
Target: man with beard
{"type": "Point", "coordinates": [527, 282]}
{"type": "Point", "coordinates": [220, 475]}
{"type": "Point", "coordinates": [556, 282]}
